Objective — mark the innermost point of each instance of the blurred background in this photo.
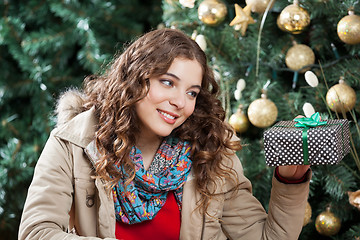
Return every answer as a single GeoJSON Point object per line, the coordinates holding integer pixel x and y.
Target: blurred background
{"type": "Point", "coordinates": [272, 59]}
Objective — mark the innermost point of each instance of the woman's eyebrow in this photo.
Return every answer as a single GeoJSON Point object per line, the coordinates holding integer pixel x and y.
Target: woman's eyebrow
{"type": "Point", "coordinates": [176, 77]}
{"type": "Point", "coordinates": [172, 75]}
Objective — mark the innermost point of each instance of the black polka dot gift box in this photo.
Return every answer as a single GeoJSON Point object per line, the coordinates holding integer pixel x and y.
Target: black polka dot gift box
{"type": "Point", "coordinates": [307, 141]}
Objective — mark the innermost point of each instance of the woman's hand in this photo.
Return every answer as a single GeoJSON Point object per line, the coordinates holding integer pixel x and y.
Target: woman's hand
{"type": "Point", "coordinates": [293, 172]}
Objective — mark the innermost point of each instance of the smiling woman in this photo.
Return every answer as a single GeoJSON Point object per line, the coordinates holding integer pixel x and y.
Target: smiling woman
{"type": "Point", "coordinates": [171, 98]}
{"type": "Point", "coordinates": [143, 152]}
{"type": "Point", "coordinates": [170, 101]}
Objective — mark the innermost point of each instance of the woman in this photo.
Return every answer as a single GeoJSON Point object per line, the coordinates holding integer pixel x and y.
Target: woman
{"type": "Point", "coordinates": [143, 152]}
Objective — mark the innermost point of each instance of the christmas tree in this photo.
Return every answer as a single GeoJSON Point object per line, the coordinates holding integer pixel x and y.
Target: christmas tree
{"type": "Point", "coordinates": [275, 60]}
{"type": "Point", "coordinates": [46, 47]}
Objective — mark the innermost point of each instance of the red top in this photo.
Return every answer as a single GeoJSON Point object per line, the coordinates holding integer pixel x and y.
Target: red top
{"type": "Point", "coordinates": [165, 225]}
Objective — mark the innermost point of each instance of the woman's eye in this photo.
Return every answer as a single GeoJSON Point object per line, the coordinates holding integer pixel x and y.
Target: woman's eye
{"type": "Point", "coordinates": [166, 82]}
{"type": "Point", "coordinates": [193, 94]}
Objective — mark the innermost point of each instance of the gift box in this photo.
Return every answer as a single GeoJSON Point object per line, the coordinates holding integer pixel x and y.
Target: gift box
{"type": "Point", "coordinates": [294, 143]}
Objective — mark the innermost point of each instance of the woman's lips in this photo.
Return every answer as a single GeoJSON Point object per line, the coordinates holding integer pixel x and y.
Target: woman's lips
{"type": "Point", "coordinates": [168, 117]}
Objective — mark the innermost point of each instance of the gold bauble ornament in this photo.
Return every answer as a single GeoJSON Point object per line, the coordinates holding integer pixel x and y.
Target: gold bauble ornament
{"type": "Point", "coordinates": [341, 97]}
{"type": "Point", "coordinates": [298, 56]}
{"type": "Point", "coordinates": [212, 12]}
{"type": "Point", "coordinates": [279, 25]}
{"type": "Point", "coordinates": [262, 112]}
{"type": "Point", "coordinates": [294, 19]}
{"type": "Point", "coordinates": [239, 121]}
{"type": "Point", "coordinates": [327, 223]}
{"type": "Point", "coordinates": [348, 29]}
{"type": "Point", "coordinates": [308, 213]}
{"type": "Point", "coordinates": [259, 6]}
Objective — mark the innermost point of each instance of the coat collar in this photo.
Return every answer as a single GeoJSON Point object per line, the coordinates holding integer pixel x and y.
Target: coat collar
{"type": "Point", "coordinates": [80, 130]}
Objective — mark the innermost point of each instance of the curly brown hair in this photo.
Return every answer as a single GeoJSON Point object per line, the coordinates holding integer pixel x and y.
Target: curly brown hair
{"type": "Point", "coordinates": [126, 81]}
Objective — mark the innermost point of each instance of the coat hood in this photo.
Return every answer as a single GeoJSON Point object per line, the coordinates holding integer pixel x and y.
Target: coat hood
{"type": "Point", "coordinates": [73, 123]}
{"type": "Point", "coordinates": [69, 105]}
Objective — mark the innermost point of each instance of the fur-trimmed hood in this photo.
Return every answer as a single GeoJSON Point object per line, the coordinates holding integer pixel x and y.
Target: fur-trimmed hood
{"type": "Point", "coordinates": [69, 105]}
{"type": "Point", "coordinates": [75, 124]}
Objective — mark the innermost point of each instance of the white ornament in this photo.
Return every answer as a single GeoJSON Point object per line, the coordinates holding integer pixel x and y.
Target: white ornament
{"type": "Point", "coordinates": [308, 109]}
{"type": "Point", "coordinates": [237, 27]}
{"type": "Point", "coordinates": [200, 39]}
{"type": "Point", "coordinates": [237, 94]}
{"type": "Point", "coordinates": [187, 3]}
{"type": "Point", "coordinates": [217, 75]}
{"type": "Point", "coordinates": [193, 35]}
{"type": "Point", "coordinates": [161, 26]}
{"type": "Point", "coordinates": [311, 79]}
{"type": "Point", "coordinates": [241, 84]}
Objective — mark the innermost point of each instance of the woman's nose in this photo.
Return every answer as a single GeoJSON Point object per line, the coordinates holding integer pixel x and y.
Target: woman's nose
{"type": "Point", "coordinates": [178, 100]}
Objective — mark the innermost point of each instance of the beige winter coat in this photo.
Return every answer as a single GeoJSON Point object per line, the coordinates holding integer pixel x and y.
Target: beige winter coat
{"type": "Point", "coordinates": [63, 198]}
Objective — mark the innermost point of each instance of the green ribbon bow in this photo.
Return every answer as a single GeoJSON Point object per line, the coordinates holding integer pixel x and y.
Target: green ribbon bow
{"type": "Point", "coordinates": [307, 123]}
{"type": "Point", "coordinates": [312, 121]}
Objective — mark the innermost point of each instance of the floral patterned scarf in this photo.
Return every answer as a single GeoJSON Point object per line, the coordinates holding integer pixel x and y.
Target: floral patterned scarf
{"type": "Point", "coordinates": [146, 194]}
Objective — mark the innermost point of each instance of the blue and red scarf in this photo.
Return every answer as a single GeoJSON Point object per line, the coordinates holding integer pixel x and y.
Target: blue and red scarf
{"type": "Point", "coordinates": [146, 194]}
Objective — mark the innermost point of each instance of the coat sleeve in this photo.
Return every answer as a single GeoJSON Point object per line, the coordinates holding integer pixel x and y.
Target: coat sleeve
{"type": "Point", "coordinates": [50, 195]}
{"type": "Point", "coordinates": [245, 218]}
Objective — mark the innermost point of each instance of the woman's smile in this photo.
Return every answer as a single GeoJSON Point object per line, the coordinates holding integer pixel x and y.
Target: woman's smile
{"type": "Point", "coordinates": [171, 98]}
{"type": "Point", "coordinates": [168, 117]}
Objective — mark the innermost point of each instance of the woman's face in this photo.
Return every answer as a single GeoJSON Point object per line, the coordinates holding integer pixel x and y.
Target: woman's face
{"type": "Point", "coordinates": [171, 98]}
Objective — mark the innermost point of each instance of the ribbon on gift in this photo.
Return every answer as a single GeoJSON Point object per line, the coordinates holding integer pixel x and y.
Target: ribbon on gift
{"type": "Point", "coordinates": [306, 124]}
